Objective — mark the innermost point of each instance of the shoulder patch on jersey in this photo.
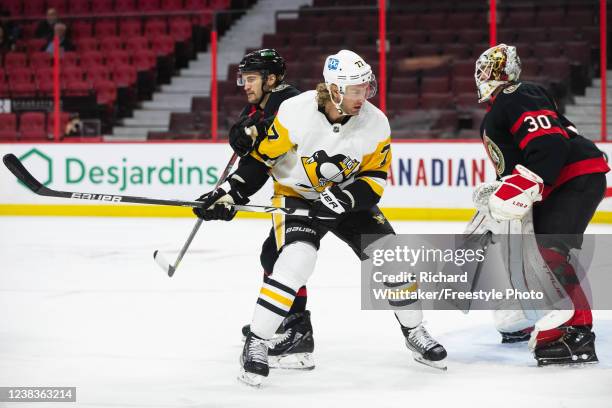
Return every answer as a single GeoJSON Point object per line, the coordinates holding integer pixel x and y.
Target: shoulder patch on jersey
{"type": "Point", "coordinates": [511, 88]}
{"type": "Point", "coordinates": [323, 171]}
{"type": "Point", "coordinates": [495, 154]}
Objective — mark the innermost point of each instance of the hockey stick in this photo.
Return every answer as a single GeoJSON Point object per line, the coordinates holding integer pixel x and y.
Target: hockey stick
{"type": "Point", "coordinates": [17, 168]}
{"type": "Point", "coordinates": [160, 259]}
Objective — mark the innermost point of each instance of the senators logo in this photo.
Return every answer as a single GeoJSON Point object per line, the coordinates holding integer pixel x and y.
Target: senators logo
{"type": "Point", "coordinates": [323, 171]}
{"type": "Point", "coordinates": [495, 154]}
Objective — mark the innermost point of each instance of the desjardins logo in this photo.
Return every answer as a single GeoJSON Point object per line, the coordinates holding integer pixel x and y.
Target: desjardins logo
{"type": "Point", "coordinates": [42, 164]}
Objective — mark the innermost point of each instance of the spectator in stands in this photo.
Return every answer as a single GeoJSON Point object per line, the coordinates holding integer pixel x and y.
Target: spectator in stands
{"type": "Point", "coordinates": [6, 44]}
{"type": "Point", "coordinates": [45, 27]}
{"type": "Point", "coordinates": [11, 30]}
{"type": "Point", "coordinates": [65, 42]}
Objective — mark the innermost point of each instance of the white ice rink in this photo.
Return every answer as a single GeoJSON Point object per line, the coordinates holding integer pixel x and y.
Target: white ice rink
{"type": "Point", "coordinates": [83, 304]}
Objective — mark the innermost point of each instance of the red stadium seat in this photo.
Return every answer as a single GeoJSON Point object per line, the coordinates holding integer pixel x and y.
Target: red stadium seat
{"type": "Point", "coordinates": [15, 60]}
{"type": "Point", "coordinates": [117, 57]}
{"type": "Point", "coordinates": [546, 50]}
{"type": "Point", "coordinates": [40, 60]}
{"type": "Point", "coordinates": [102, 6]}
{"type": "Point", "coordinates": [86, 44]}
{"type": "Point", "coordinates": [78, 6]}
{"type": "Point", "coordinates": [435, 85]}
{"type": "Point", "coordinates": [556, 68]}
{"type": "Point", "coordinates": [148, 5]}
{"type": "Point", "coordinates": [98, 73]}
{"type": "Point", "coordinates": [520, 19]}
{"type": "Point", "coordinates": [123, 6]}
{"type": "Point", "coordinates": [163, 44]}
{"type": "Point", "coordinates": [130, 27]}
{"type": "Point", "coordinates": [180, 28]}
{"type": "Point", "coordinates": [78, 88]}
{"type": "Point", "coordinates": [5, 91]}
{"type": "Point", "coordinates": [106, 92]}
{"type": "Point", "coordinates": [19, 74]}
{"type": "Point", "coordinates": [171, 5]}
{"type": "Point", "coordinates": [155, 27]}
{"type": "Point", "coordinates": [91, 58]}
{"type": "Point", "coordinates": [59, 5]}
{"type": "Point", "coordinates": [436, 101]}
{"type": "Point", "coordinates": [14, 7]}
{"type": "Point", "coordinates": [81, 29]}
{"type": "Point", "coordinates": [464, 85]}
{"type": "Point", "coordinates": [110, 44]}
{"type": "Point", "coordinates": [72, 74]}
{"type": "Point", "coordinates": [32, 125]}
{"type": "Point", "coordinates": [106, 28]}
{"type": "Point", "coordinates": [124, 75]}
{"type": "Point", "coordinates": [407, 85]}
{"type": "Point", "coordinates": [196, 4]}
{"type": "Point", "coordinates": [45, 85]}
{"type": "Point", "coordinates": [8, 126]}
{"type": "Point", "coordinates": [442, 37]}
{"type": "Point", "coordinates": [137, 43]}
{"type": "Point", "coordinates": [34, 8]}
{"type": "Point", "coordinates": [46, 75]}
{"type": "Point", "coordinates": [144, 60]}
{"type": "Point", "coordinates": [70, 59]}
{"type": "Point", "coordinates": [35, 44]}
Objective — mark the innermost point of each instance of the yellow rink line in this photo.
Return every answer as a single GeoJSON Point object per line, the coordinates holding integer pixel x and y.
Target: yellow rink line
{"type": "Point", "coordinates": [398, 214]}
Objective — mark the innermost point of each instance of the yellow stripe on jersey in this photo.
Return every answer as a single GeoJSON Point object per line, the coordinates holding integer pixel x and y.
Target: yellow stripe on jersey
{"type": "Point", "coordinates": [278, 222]}
{"type": "Point", "coordinates": [276, 143]}
{"type": "Point", "coordinates": [377, 188]}
{"type": "Point", "coordinates": [283, 190]}
{"type": "Point", "coordinates": [379, 159]}
{"type": "Point", "coordinates": [279, 298]}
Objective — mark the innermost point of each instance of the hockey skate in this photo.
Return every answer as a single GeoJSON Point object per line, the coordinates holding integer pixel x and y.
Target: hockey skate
{"type": "Point", "coordinates": [293, 345]}
{"type": "Point", "coordinates": [517, 336]}
{"type": "Point", "coordinates": [254, 361]}
{"type": "Point", "coordinates": [425, 349]}
{"type": "Point", "coordinates": [576, 346]}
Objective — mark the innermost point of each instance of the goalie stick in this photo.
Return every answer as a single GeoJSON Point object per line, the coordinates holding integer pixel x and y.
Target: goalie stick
{"type": "Point", "coordinates": [158, 256]}
{"type": "Point", "coordinates": [17, 168]}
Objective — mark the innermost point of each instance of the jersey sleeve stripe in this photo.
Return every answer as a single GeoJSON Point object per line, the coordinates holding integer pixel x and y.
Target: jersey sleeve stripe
{"type": "Point", "coordinates": [377, 188]}
{"type": "Point", "coordinates": [556, 130]}
{"type": "Point", "coordinates": [373, 173]}
{"type": "Point", "coordinates": [546, 112]}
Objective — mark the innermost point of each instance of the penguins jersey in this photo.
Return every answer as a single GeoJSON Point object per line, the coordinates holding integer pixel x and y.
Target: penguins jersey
{"type": "Point", "coordinates": [524, 126]}
{"type": "Point", "coordinates": [306, 153]}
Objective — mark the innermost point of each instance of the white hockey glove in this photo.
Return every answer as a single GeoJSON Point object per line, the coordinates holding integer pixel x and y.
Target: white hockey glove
{"type": "Point", "coordinates": [334, 200]}
{"type": "Point", "coordinates": [516, 194]}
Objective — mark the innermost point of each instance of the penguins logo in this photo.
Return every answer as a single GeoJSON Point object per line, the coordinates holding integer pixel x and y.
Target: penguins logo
{"type": "Point", "coordinates": [323, 170]}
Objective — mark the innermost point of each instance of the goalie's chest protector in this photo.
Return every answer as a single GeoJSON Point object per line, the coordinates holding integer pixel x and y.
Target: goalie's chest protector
{"type": "Point", "coordinates": [323, 153]}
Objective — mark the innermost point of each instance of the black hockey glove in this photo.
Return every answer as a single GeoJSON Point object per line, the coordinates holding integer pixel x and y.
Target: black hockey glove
{"type": "Point", "coordinates": [218, 205]}
{"type": "Point", "coordinates": [333, 201]}
{"type": "Point", "coordinates": [239, 135]}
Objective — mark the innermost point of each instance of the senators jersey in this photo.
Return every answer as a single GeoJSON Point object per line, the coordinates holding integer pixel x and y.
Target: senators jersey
{"type": "Point", "coordinates": [305, 153]}
{"type": "Point", "coordinates": [277, 96]}
{"type": "Point", "coordinates": [524, 126]}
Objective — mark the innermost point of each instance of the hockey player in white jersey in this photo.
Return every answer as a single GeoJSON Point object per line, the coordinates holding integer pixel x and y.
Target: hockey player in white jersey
{"type": "Point", "coordinates": [328, 150]}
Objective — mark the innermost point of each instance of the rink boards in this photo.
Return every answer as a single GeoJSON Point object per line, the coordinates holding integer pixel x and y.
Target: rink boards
{"type": "Point", "coordinates": [428, 181]}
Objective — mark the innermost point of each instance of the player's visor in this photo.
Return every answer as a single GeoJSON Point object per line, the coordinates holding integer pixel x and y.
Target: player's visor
{"type": "Point", "coordinates": [365, 91]}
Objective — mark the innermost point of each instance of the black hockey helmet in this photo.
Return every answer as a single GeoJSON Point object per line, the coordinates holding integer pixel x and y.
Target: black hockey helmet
{"type": "Point", "coordinates": [265, 61]}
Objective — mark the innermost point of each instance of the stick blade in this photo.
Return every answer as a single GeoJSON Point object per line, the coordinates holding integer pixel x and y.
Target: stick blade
{"type": "Point", "coordinates": [17, 168]}
{"type": "Point", "coordinates": [163, 263]}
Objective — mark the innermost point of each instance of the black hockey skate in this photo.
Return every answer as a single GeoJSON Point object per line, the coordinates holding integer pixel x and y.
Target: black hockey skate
{"type": "Point", "coordinates": [254, 361]}
{"type": "Point", "coordinates": [425, 349]}
{"type": "Point", "coordinates": [517, 336]}
{"type": "Point", "coordinates": [293, 345]}
{"type": "Point", "coordinates": [576, 346]}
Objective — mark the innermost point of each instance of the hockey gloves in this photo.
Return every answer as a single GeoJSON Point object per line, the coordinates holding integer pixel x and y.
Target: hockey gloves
{"type": "Point", "coordinates": [333, 200]}
{"type": "Point", "coordinates": [218, 204]}
{"type": "Point", "coordinates": [242, 134]}
{"type": "Point", "coordinates": [516, 194]}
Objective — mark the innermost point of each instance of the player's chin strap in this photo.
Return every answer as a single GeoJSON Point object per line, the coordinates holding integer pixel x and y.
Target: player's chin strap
{"type": "Point", "coordinates": [337, 105]}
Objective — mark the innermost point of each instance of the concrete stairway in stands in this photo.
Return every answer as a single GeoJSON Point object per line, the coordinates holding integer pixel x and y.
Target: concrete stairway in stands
{"type": "Point", "coordinates": [586, 112]}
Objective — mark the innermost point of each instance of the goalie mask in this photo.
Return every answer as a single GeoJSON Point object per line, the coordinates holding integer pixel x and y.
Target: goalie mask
{"type": "Point", "coordinates": [495, 67]}
{"type": "Point", "coordinates": [344, 69]}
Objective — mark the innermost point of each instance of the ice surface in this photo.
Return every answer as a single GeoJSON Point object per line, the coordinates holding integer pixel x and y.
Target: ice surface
{"type": "Point", "coordinates": [82, 303]}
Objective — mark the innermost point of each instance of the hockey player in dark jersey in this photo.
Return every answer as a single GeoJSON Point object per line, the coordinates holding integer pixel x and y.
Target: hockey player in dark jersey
{"type": "Point", "coordinates": [261, 74]}
{"type": "Point", "coordinates": [543, 164]}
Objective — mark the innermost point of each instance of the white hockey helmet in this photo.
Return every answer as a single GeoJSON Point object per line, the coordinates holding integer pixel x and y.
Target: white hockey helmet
{"type": "Point", "coordinates": [347, 68]}
{"type": "Point", "coordinates": [496, 66]}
